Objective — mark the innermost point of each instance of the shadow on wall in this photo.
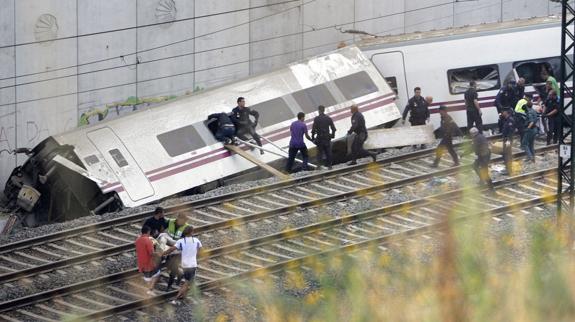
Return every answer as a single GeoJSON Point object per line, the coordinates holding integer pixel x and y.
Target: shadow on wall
{"type": "Point", "coordinates": [132, 103]}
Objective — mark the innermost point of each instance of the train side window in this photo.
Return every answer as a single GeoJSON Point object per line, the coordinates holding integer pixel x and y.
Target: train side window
{"type": "Point", "coordinates": [392, 82]}
{"type": "Point", "coordinates": [536, 71]}
{"type": "Point", "coordinates": [180, 141]}
{"type": "Point", "coordinates": [273, 112]}
{"type": "Point", "coordinates": [356, 85]}
{"type": "Point", "coordinates": [310, 98]}
{"type": "Point", "coordinates": [486, 77]}
{"type": "Point", "coordinates": [118, 157]}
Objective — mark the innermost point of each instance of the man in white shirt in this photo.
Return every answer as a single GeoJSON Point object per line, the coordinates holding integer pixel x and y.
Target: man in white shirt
{"type": "Point", "coordinates": [189, 247]}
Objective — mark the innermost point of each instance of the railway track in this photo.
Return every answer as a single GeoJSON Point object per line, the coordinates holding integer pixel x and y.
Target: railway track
{"type": "Point", "coordinates": [89, 243]}
{"type": "Point", "coordinates": [120, 293]}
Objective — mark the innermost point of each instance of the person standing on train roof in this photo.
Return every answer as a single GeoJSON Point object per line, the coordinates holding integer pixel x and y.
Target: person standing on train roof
{"type": "Point", "coordinates": [145, 257]}
{"type": "Point", "coordinates": [358, 127]}
{"type": "Point", "coordinates": [156, 221]}
{"type": "Point", "coordinates": [483, 153]}
{"type": "Point", "coordinates": [448, 129]}
{"type": "Point", "coordinates": [298, 130]}
{"type": "Point", "coordinates": [226, 129]}
{"type": "Point", "coordinates": [176, 226]}
{"type": "Point", "coordinates": [244, 125]}
{"type": "Point", "coordinates": [473, 108]}
{"type": "Point", "coordinates": [530, 131]}
{"type": "Point", "coordinates": [321, 136]}
{"type": "Point", "coordinates": [189, 246]}
{"type": "Point", "coordinates": [507, 132]}
{"type": "Point", "coordinates": [418, 109]}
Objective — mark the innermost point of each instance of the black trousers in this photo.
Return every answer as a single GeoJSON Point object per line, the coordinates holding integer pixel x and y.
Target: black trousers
{"type": "Point", "coordinates": [357, 150]}
{"type": "Point", "coordinates": [324, 148]}
{"type": "Point", "coordinates": [445, 145]}
{"type": "Point", "coordinates": [481, 167]}
{"type": "Point", "coordinates": [553, 130]}
{"type": "Point", "coordinates": [248, 129]}
{"type": "Point", "coordinates": [474, 119]}
{"type": "Point", "coordinates": [291, 158]}
{"type": "Point", "coordinates": [508, 155]}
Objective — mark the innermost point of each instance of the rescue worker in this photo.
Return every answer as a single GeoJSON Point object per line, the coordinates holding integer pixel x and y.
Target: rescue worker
{"type": "Point", "coordinates": [448, 129]}
{"type": "Point", "coordinates": [481, 164]}
{"type": "Point", "coordinates": [473, 109]}
{"type": "Point", "coordinates": [244, 125]}
{"type": "Point", "coordinates": [553, 120]}
{"type": "Point", "coordinates": [298, 130]}
{"type": "Point", "coordinates": [520, 115]}
{"type": "Point", "coordinates": [358, 128]}
{"type": "Point", "coordinates": [226, 130]}
{"type": "Point", "coordinates": [530, 131]}
{"type": "Point", "coordinates": [177, 225]}
{"type": "Point", "coordinates": [418, 109]}
{"type": "Point", "coordinates": [505, 99]}
{"type": "Point", "coordinates": [156, 221]}
{"type": "Point", "coordinates": [146, 262]}
{"type": "Point", "coordinates": [189, 246]}
{"type": "Point", "coordinates": [507, 132]}
{"type": "Point", "coordinates": [518, 91]}
{"type": "Point", "coordinates": [321, 136]}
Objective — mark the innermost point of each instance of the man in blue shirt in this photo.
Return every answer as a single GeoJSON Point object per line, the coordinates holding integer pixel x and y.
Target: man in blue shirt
{"type": "Point", "coordinates": [296, 144]}
{"type": "Point", "coordinates": [528, 140]}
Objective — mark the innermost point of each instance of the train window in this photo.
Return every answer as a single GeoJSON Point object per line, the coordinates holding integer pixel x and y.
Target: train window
{"type": "Point", "coordinates": [118, 157]}
{"type": "Point", "coordinates": [356, 85]}
{"type": "Point", "coordinates": [273, 112]}
{"type": "Point", "coordinates": [91, 159]}
{"type": "Point", "coordinates": [392, 82]}
{"type": "Point", "coordinates": [486, 77]}
{"type": "Point", "coordinates": [180, 141]}
{"type": "Point", "coordinates": [310, 98]}
{"type": "Point", "coordinates": [536, 71]}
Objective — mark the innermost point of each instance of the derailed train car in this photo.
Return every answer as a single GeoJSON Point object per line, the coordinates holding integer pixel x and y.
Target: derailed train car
{"type": "Point", "coordinates": [162, 151]}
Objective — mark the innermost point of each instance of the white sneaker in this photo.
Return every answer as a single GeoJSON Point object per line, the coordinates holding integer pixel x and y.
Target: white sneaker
{"type": "Point", "coordinates": [175, 302]}
{"type": "Point", "coordinates": [151, 293]}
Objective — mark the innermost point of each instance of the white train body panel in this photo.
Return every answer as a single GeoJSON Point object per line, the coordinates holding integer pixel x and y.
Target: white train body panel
{"type": "Point", "coordinates": [425, 60]}
{"type": "Point", "coordinates": [127, 155]}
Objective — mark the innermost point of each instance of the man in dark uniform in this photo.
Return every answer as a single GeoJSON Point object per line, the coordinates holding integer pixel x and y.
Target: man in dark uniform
{"type": "Point", "coordinates": [481, 149]}
{"type": "Point", "coordinates": [241, 119]}
{"type": "Point", "coordinates": [505, 99]}
{"type": "Point", "coordinates": [156, 221]}
{"type": "Point", "coordinates": [448, 129]}
{"type": "Point", "coordinates": [518, 91]}
{"type": "Point", "coordinates": [553, 120]}
{"type": "Point", "coordinates": [507, 131]}
{"type": "Point", "coordinates": [358, 127]}
{"type": "Point", "coordinates": [473, 109]}
{"type": "Point", "coordinates": [225, 127]}
{"type": "Point", "coordinates": [418, 110]}
{"type": "Point", "coordinates": [321, 136]}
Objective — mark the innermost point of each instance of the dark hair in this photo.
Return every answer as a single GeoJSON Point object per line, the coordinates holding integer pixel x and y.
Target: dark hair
{"type": "Point", "coordinates": [146, 229]}
{"type": "Point", "coordinates": [321, 108]}
{"type": "Point", "coordinates": [300, 115]}
{"type": "Point", "coordinates": [529, 96]}
{"type": "Point", "coordinates": [417, 89]}
{"type": "Point", "coordinates": [240, 99]}
{"type": "Point", "coordinates": [472, 83]}
{"type": "Point", "coordinates": [158, 210]}
{"type": "Point", "coordinates": [188, 231]}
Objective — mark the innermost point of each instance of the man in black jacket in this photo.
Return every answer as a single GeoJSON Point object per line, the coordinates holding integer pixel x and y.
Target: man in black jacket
{"type": "Point", "coordinates": [358, 127]}
{"type": "Point", "coordinates": [244, 125]}
{"type": "Point", "coordinates": [418, 109]}
{"type": "Point", "coordinates": [225, 127]}
{"type": "Point", "coordinates": [321, 136]}
{"type": "Point", "coordinates": [448, 129]}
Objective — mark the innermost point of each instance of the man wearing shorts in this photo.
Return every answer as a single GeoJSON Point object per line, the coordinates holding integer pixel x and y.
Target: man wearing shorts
{"type": "Point", "coordinates": [189, 246]}
{"type": "Point", "coordinates": [145, 255]}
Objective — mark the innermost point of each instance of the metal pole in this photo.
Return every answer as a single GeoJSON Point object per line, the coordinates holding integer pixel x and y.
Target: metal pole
{"type": "Point", "coordinates": [274, 153]}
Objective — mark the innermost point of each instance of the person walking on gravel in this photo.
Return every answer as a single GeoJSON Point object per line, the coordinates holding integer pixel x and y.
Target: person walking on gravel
{"type": "Point", "coordinates": [146, 263]}
{"type": "Point", "coordinates": [189, 246]}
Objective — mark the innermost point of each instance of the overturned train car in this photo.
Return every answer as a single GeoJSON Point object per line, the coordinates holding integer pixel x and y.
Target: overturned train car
{"type": "Point", "coordinates": [158, 152]}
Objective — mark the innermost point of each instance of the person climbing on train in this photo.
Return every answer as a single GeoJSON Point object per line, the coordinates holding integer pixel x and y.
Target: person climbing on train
{"type": "Point", "coordinates": [156, 221]}
{"type": "Point", "coordinates": [418, 109]}
{"type": "Point", "coordinates": [359, 133]}
{"type": "Point", "coordinates": [298, 130]}
{"type": "Point", "coordinates": [244, 125]}
{"type": "Point", "coordinates": [146, 259]}
{"type": "Point", "coordinates": [225, 130]}
{"type": "Point", "coordinates": [189, 247]}
{"type": "Point", "coordinates": [176, 226]}
{"type": "Point", "coordinates": [448, 128]}
{"type": "Point", "coordinates": [321, 136]}
{"type": "Point", "coordinates": [474, 113]}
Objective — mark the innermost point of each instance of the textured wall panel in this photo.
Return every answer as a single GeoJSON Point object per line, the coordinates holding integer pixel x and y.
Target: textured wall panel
{"type": "Point", "coordinates": [46, 19]}
{"type": "Point", "coordinates": [380, 17]}
{"type": "Point", "coordinates": [428, 14]}
{"type": "Point", "coordinates": [6, 22]}
{"type": "Point", "coordinates": [476, 12]}
{"type": "Point", "coordinates": [98, 16]}
{"type": "Point", "coordinates": [7, 141]}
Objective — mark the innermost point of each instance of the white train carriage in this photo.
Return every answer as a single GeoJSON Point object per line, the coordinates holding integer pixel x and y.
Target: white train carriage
{"type": "Point", "coordinates": [159, 152]}
{"type": "Point", "coordinates": [443, 62]}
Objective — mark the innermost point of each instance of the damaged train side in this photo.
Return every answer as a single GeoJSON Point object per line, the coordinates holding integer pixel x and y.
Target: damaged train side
{"type": "Point", "coordinates": [155, 153]}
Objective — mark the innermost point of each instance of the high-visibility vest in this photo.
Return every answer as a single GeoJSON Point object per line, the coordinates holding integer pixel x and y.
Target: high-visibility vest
{"type": "Point", "coordinates": [175, 234]}
{"type": "Point", "coordinates": [519, 106]}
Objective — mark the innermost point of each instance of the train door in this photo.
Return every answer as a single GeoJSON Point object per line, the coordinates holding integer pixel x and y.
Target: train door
{"type": "Point", "coordinates": [392, 66]}
{"type": "Point", "coordinates": [122, 163]}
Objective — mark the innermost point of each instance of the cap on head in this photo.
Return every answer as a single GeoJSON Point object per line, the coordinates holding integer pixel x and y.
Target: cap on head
{"type": "Point", "coordinates": [473, 131]}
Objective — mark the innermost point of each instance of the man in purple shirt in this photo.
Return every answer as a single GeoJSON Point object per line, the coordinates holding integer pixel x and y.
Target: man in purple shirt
{"type": "Point", "coordinates": [298, 129]}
